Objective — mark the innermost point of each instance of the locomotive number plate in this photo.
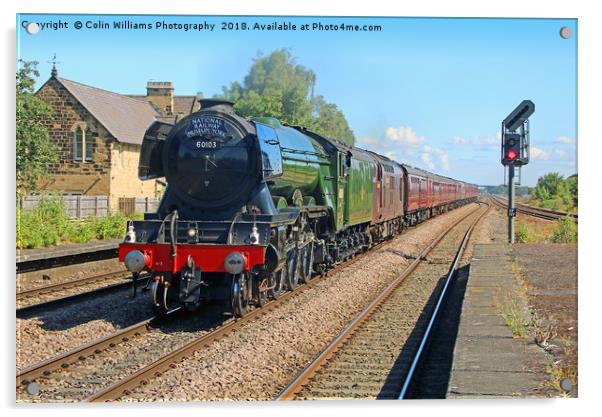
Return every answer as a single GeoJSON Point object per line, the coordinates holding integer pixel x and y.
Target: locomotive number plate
{"type": "Point", "coordinates": [207, 144]}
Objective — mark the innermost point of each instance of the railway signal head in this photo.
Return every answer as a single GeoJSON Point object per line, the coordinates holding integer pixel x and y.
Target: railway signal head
{"type": "Point", "coordinates": [511, 148]}
{"type": "Point", "coordinates": [519, 115]}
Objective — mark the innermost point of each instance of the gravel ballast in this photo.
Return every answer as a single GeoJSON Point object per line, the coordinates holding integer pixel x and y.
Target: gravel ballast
{"type": "Point", "coordinates": [255, 363]}
{"type": "Point", "coordinates": [258, 361]}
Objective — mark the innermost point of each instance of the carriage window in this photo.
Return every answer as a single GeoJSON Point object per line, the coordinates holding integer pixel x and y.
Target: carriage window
{"type": "Point", "coordinates": [414, 190]}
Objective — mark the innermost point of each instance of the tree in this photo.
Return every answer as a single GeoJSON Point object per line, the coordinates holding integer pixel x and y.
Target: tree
{"type": "Point", "coordinates": [330, 119]}
{"type": "Point", "coordinates": [555, 192]}
{"type": "Point", "coordinates": [34, 150]}
{"type": "Point", "coordinates": [278, 87]}
{"type": "Point", "coordinates": [573, 185]}
{"type": "Point", "coordinates": [549, 186]}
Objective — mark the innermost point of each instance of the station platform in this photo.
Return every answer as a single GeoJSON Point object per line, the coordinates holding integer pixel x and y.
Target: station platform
{"type": "Point", "coordinates": [488, 362]}
{"type": "Point", "coordinates": [28, 259]}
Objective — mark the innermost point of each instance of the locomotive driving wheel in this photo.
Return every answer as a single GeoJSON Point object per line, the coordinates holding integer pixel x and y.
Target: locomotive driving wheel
{"type": "Point", "coordinates": [261, 289]}
{"type": "Point", "coordinates": [277, 283]}
{"type": "Point", "coordinates": [239, 294]}
{"type": "Point", "coordinates": [292, 273]}
{"type": "Point", "coordinates": [306, 258]}
{"type": "Point", "coordinates": [159, 294]}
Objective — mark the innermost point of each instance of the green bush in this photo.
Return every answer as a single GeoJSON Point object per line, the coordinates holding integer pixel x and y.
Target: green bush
{"type": "Point", "coordinates": [522, 233]}
{"type": "Point", "coordinates": [80, 231]}
{"type": "Point", "coordinates": [556, 204]}
{"type": "Point", "coordinates": [43, 226]}
{"type": "Point", "coordinates": [48, 225]}
{"type": "Point", "coordinates": [110, 227]}
{"type": "Point", "coordinates": [565, 231]}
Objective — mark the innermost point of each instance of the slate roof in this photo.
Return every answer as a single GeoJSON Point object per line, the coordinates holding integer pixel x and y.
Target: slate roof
{"type": "Point", "coordinates": [183, 104]}
{"type": "Point", "coordinates": [126, 118]}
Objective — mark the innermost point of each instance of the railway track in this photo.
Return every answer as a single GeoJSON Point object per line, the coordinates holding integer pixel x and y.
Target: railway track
{"type": "Point", "coordinates": [50, 369]}
{"type": "Point", "coordinates": [37, 298]}
{"type": "Point", "coordinates": [28, 375]}
{"type": "Point", "coordinates": [377, 354]}
{"type": "Point", "coordinates": [159, 355]}
{"type": "Point", "coordinates": [534, 211]}
{"type": "Point", "coordinates": [126, 385]}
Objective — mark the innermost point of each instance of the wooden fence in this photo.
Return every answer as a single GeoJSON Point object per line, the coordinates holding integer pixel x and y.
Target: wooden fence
{"type": "Point", "coordinates": [129, 205]}
{"type": "Point", "coordinates": [82, 206]}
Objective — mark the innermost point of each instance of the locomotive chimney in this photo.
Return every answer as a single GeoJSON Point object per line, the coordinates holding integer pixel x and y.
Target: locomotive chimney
{"type": "Point", "coordinates": [217, 104]}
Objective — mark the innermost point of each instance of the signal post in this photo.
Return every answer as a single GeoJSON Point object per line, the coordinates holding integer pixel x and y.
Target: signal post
{"type": "Point", "coordinates": [515, 151]}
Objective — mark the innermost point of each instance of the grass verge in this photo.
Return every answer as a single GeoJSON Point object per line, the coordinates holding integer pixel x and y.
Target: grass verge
{"type": "Point", "coordinates": [49, 225]}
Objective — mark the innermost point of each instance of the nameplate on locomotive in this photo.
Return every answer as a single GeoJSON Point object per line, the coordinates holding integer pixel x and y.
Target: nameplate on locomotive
{"type": "Point", "coordinates": [207, 127]}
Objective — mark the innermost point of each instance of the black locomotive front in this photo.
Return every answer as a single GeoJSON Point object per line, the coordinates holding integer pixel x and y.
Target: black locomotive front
{"type": "Point", "coordinates": [217, 232]}
{"type": "Point", "coordinates": [209, 161]}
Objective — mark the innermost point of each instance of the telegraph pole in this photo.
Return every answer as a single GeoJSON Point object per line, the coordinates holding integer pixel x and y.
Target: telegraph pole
{"type": "Point", "coordinates": [515, 151]}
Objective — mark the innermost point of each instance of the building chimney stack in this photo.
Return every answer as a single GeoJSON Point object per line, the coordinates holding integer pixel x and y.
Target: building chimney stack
{"type": "Point", "coordinates": [160, 93]}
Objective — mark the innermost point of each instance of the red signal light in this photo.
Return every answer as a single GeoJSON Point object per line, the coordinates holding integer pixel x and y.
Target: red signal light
{"type": "Point", "coordinates": [511, 154]}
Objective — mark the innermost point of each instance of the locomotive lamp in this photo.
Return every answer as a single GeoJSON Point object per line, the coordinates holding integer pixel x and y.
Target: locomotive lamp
{"type": "Point", "coordinates": [135, 261]}
{"type": "Point", "coordinates": [130, 236]}
{"type": "Point", "coordinates": [254, 236]}
{"type": "Point", "coordinates": [234, 263]}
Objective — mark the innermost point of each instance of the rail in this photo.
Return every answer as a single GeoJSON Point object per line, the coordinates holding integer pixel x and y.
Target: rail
{"type": "Point", "coordinates": [307, 374]}
{"type": "Point", "coordinates": [534, 211]}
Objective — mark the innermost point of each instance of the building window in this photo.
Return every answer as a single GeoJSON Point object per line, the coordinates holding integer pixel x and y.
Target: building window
{"type": "Point", "coordinates": [82, 144]}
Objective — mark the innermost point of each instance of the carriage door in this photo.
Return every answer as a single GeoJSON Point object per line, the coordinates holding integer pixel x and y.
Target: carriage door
{"type": "Point", "coordinates": [379, 185]}
{"type": "Point", "coordinates": [342, 181]}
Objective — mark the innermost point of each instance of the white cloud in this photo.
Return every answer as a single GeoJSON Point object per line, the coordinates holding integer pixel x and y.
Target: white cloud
{"type": "Point", "coordinates": [404, 135]}
{"type": "Point", "coordinates": [559, 153]}
{"type": "Point", "coordinates": [440, 154]}
{"type": "Point", "coordinates": [444, 158]}
{"type": "Point", "coordinates": [404, 145]}
{"type": "Point", "coordinates": [565, 140]}
{"type": "Point", "coordinates": [457, 140]}
{"type": "Point", "coordinates": [391, 155]}
{"type": "Point", "coordinates": [491, 141]}
{"type": "Point", "coordinates": [538, 153]}
{"type": "Point", "coordinates": [477, 141]}
{"type": "Point", "coordinates": [428, 160]}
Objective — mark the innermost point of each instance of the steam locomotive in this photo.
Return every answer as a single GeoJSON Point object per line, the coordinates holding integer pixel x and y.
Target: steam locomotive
{"type": "Point", "coordinates": [253, 207]}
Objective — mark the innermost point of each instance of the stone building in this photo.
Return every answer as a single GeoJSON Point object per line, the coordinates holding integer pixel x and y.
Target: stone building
{"type": "Point", "coordinates": [98, 134]}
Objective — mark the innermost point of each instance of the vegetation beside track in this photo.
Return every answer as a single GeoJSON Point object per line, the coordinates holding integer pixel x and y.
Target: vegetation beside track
{"type": "Point", "coordinates": [49, 225]}
{"type": "Point", "coordinates": [529, 230]}
{"type": "Point", "coordinates": [555, 192]}
{"type": "Point", "coordinates": [552, 191]}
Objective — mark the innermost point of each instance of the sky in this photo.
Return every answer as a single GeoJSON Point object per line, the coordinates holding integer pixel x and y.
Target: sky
{"type": "Point", "coordinates": [431, 92]}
